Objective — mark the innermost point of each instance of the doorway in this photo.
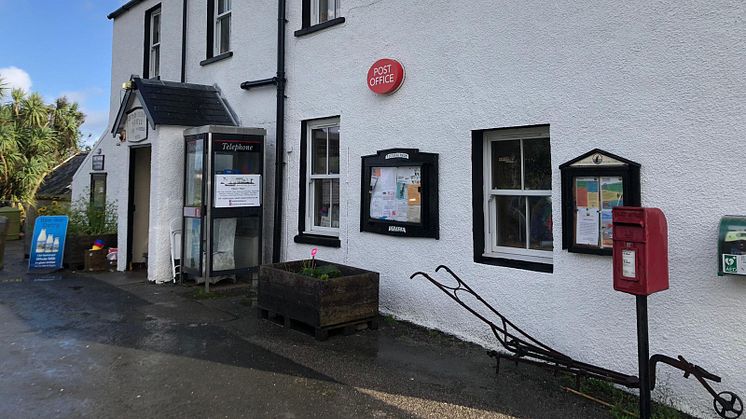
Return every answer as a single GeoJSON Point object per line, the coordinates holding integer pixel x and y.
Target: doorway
{"type": "Point", "coordinates": [138, 211]}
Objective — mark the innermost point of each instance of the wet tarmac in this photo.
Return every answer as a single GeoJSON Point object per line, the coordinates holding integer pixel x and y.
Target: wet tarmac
{"type": "Point", "coordinates": [113, 345]}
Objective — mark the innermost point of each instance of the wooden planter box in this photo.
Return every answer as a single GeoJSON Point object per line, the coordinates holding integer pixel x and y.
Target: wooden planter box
{"type": "Point", "coordinates": [342, 302]}
{"type": "Point", "coordinates": [76, 248]}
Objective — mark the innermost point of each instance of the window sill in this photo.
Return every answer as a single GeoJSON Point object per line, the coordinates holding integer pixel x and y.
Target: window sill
{"type": "Point", "coordinates": [328, 241]}
{"type": "Point", "coordinates": [216, 58]}
{"type": "Point", "coordinates": [516, 264]}
{"type": "Point", "coordinates": [320, 26]}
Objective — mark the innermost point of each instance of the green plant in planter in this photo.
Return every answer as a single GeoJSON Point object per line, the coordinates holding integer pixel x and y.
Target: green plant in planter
{"type": "Point", "coordinates": [86, 218]}
{"type": "Point", "coordinates": [322, 273]}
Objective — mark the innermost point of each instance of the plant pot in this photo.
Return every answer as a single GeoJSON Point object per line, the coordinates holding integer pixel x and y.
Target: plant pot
{"type": "Point", "coordinates": [77, 246]}
{"type": "Point", "coordinates": [349, 299]}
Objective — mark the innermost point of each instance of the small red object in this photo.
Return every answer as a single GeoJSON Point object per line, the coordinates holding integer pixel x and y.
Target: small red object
{"type": "Point", "coordinates": [640, 250]}
{"type": "Point", "coordinates": [385, 76]}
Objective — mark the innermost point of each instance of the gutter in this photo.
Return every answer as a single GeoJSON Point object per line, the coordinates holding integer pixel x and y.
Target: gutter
{"type": "Point", "coordinates": [120, 11]}
{"type": "Point", "coordinates": [279, 81]}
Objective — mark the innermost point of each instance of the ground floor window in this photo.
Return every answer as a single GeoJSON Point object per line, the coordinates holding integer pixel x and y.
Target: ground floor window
{"type": "Point", "coordinates": [320, 194]}
{"type": "Point", "coordinates": [98, 189]}
{"type": "Point", "coordinates": [513, 197]}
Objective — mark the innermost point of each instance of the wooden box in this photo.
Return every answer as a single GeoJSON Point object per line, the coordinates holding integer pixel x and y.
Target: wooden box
{"type": "Point", "coordinates": [95, 261]}
{"type": "Point", "coordinates": [322, 304]}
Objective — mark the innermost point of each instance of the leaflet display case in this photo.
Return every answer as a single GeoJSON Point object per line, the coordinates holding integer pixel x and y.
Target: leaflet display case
{"type": "Point", "coordinates": [593, 184]}
{"type": "Point", "coordinates": [400, 193]}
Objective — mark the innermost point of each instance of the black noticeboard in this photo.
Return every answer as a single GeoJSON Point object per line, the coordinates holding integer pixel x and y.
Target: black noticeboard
{"type": "Point", "coordinates": [400, 193]}
{"type": "Point", "coordinates": [97, 162]}
{"type": "Point", "coordinates": [592, 185]}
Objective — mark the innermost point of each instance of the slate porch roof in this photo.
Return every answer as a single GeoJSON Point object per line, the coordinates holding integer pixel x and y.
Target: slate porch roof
{"type": "Point", "coordinates": [174, 103]}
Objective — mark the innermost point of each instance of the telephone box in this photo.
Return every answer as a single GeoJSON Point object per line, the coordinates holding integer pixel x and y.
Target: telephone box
{"type": "Point", "coordinates": [222, 216]}
{"type": "Point", "coordinates": [640, 250]}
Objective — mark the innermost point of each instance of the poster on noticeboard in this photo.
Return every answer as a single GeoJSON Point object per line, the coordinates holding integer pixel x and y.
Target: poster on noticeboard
{"type": "Point", "coordinates": [595, 198]}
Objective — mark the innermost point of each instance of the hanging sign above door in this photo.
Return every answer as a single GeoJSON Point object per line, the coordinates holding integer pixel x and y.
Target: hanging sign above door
{"type": "Point", "coordinates": [136, 126]}
{"type": "Point", "coordinates": [385, 76]}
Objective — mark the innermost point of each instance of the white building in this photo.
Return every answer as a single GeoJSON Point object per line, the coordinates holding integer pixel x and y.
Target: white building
{"type": "Point", "coordinates": [524, 88]}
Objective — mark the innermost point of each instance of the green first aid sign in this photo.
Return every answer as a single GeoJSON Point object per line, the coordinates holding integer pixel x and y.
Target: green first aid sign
{"type": "Point", "coordinates": [734, 264]}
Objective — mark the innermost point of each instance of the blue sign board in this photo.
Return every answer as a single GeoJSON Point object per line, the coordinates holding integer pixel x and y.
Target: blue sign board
{"type": "Point", "coordinates": [48, 244]}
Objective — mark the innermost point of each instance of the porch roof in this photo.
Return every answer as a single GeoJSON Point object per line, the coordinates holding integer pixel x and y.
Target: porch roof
{"type": "Point", "coordinates": [174, 103]}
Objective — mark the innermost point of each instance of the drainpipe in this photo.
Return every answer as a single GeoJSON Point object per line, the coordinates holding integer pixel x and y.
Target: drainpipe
{"type": "Point", "coordinates": [279, 81]}
{"type": "Point", "coordinates": [183, 40]}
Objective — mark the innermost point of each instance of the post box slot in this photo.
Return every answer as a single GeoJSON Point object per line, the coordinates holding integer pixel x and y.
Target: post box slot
{"type": "Point", "coordinates": [630, 233]}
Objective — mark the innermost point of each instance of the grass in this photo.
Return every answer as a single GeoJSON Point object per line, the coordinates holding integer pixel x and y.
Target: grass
{"type": "Point", "coordinates": [389, 319]}
{"type": "Point", "coordinates": [623, 402]}
{"type": "Point", "coordinates": [200, 294]}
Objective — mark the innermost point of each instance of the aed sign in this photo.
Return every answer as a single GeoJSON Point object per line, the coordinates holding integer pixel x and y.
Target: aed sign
{"type": "Point", "coordinates": [385, 76]}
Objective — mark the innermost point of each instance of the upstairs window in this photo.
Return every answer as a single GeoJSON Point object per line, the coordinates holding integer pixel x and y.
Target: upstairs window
{"type": "Point", "coordinates": [222, 27]}
{"type": "Point", "coordinates": [218, 31]}
{"type": "Point", "coordinates": [152, 62]}
{"type": "Point", "coordinates": [324, 10]}
{"type": "Point", "coordinates": [320, 14]}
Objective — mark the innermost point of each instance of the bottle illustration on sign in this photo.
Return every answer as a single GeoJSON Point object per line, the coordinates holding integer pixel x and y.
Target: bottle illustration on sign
{"type": "Point", "coordinates": [56, 245]}
{"type": "Point", "coordinates": [50, 244]}
{"type": "Point", "coordinates": [41, 241]}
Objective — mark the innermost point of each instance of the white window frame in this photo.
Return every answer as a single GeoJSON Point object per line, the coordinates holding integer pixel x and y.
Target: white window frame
{"type": "Point", "coordinates": [312, 178]}
{"type": "Point", "coordinates": [491, 249]}
{"type": "Point", "coordinates": [316, 12]}
{"type": "Point", "coordinates": [219, 18]}
{"type": "Point", "coordinates": [154, 64]}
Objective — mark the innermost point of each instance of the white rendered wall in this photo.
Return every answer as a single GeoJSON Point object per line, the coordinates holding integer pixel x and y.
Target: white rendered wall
{"type": "Point", "coordinates": [658, 83]}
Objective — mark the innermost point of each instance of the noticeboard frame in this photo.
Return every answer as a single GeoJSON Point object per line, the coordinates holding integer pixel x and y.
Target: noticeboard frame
{"type": "Point", "coordinates": [595, 163]}
{"type": "Point", "coordinates": [429, 212]}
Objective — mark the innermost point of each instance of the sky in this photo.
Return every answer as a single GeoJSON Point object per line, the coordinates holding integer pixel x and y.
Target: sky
{"type": "Point", "coordinates": [60, 48]}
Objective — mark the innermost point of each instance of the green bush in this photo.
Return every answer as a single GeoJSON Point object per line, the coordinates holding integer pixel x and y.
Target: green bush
{"type": "Point", "coordinates": [87, 219]}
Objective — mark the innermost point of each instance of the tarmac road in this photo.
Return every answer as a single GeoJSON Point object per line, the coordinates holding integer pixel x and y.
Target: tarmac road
{"type": "Point", "coordinates": [113, 345]}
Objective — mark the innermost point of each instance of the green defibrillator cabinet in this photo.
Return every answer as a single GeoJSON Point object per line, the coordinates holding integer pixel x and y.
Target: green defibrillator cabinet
{"type": "Point", "coordinates": [732, 245]}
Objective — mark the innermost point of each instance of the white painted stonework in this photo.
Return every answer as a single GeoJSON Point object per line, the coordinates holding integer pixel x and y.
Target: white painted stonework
{"type": "Point", "coordinates": [658, 83]}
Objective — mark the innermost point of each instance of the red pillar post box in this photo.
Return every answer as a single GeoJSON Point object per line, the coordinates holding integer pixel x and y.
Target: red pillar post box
{"type": "Point", "coordinates": [640, 250]}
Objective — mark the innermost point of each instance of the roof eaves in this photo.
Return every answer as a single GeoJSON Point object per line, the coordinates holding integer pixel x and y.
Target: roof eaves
{"type": "Point", "coordinates": [126, 6]}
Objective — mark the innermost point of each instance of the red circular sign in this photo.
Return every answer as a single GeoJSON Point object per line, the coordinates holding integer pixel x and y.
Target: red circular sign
{"type": "Point", "coordinates": [385, 76]}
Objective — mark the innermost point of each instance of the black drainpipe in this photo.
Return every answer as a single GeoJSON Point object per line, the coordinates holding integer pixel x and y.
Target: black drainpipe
{"type": "Point", "coordinates": [278, 80]}
{"type": "Point", "coordinates": [183, 40]}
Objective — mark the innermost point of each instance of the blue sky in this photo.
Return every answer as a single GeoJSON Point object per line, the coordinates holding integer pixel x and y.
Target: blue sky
{"type": "Point", "coordinates": [61, 47]}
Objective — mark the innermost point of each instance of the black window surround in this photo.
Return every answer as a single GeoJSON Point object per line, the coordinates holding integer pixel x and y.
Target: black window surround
{"type": "Point", "coordinates": [146, 44]}
{"type": "Point", "coordinates": [428, 225]}
{"type": "Point", "coordinates": [307, 28]}
{"type": "Point", "coordinates": [477, 164]}
{"type": "Point", "coordinates": [210, 56]}
{"type": "Point", "coordinates": [101, 177]}
{"type": "Point", "coordinates": [303, 237]}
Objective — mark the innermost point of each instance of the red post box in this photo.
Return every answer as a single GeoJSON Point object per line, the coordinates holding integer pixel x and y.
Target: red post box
{"type": "Point", "coordinates": [640, 250]}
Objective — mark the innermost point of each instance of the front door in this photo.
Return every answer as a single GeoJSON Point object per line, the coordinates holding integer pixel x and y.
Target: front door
{"type": "Point", "coordinates": [139, 208]}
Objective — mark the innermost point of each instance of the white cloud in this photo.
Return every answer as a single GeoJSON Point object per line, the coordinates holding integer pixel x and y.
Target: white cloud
{"type": "Point", "coordinates": [80, 96]}
{"type": "Point", "coordinates": [16, 78]}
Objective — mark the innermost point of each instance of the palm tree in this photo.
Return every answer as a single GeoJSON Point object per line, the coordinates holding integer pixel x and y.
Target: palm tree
{"type": "Point", "coordinates": [34, 138]}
